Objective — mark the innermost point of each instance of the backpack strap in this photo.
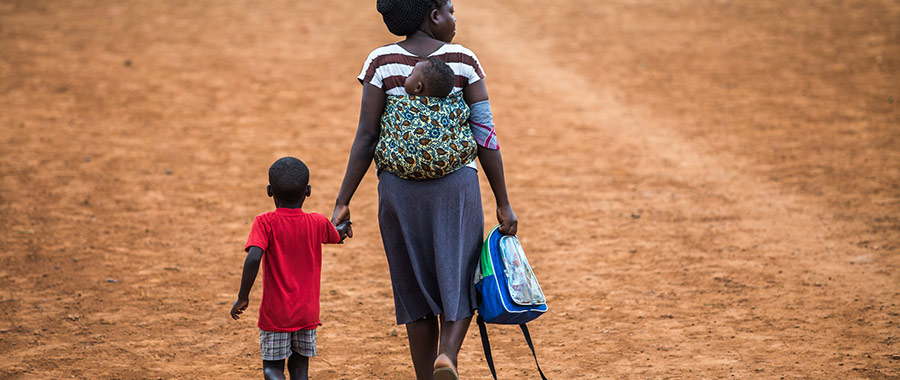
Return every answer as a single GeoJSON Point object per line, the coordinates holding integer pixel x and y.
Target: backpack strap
{"type": "Point", "coordinates": [486, 345]}
{"type": "Point", "coordinates": [531, 346]}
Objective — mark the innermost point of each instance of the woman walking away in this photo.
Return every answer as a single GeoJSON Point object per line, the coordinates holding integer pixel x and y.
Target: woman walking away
{"type": "Point", "coordinates": [431, 227]}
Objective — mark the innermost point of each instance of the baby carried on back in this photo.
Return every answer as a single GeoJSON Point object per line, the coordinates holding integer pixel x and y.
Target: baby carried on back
{"type": "Point", "coordinates": [426, 134]}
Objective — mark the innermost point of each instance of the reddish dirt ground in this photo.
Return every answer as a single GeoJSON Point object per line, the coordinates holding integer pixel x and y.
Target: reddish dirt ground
{"type": "Point", "coordinates": [707, 189]}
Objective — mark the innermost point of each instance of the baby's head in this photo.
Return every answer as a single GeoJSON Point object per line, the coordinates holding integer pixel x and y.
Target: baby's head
{"type": "Point", "coordinates": [430, 77]}
{"type": "Point", "coordinates": [288, 182]}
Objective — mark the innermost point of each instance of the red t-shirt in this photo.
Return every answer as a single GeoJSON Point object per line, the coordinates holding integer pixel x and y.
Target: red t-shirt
{"type": "Point", "coordinates": [291, 241]}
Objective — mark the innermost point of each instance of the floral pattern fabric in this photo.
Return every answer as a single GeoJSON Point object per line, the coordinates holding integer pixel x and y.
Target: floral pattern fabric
{"type": "Point", "coordinates": [424, 137]}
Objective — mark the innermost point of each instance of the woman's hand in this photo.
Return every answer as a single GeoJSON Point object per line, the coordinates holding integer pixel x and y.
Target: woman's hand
{"type": "Point", "coordinates": [342, 213]}
{"type": "Point", "coordinates": [507, 218]}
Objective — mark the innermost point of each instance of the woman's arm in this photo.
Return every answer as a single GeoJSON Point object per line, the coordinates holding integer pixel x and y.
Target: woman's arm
{"type": "Point", "coordinates": [362, 151]}
{"type": "Point", "coordinates": [492, 162]}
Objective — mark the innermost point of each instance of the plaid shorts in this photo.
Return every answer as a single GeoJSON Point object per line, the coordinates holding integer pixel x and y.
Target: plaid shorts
{"type": "Point", "coordinates": [278, 345]}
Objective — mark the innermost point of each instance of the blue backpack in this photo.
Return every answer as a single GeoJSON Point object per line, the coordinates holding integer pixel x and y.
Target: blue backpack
{"type": "Point", "coordinates": [508, 290]}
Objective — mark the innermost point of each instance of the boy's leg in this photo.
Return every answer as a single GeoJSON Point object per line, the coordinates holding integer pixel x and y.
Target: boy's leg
{"type": "Point", "coordinates": [273, 369]}
{"type": "Point", "coordinates": [298, 367]}
{"type": "Point", "coordinates": [303, 347]}
{"type": "Point", "coordinates": [423, 342]}
{"type": "Point", "coordinates": [275, 347]}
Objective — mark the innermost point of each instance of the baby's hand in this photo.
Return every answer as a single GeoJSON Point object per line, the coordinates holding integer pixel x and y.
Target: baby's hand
{"type": "Point", "coordinates": [344, 230]}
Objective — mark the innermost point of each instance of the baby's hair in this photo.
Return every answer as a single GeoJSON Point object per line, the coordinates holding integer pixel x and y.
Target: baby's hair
{"type": "Point", "coordinates": [289, 177]}
{"type": "Point", "coordinates": [439, 76]}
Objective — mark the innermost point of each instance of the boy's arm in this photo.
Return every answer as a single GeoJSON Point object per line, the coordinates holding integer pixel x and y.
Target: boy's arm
{"type": "Point", "coordinates": [251, 269]}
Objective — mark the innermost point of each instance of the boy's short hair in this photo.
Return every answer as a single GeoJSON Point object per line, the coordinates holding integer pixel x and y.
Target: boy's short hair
{"type": "Point", "coordinates": [289, 177]}
{"type": "Point", "coordinates": [439, 76]}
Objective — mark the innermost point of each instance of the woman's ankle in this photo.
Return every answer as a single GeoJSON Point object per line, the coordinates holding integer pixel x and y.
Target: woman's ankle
{"type": "Point", "coordinates": [444, 361]}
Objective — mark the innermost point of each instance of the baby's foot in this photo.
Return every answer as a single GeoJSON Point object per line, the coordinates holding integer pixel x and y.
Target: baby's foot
{"type": "Point", "coordinates": [444, 369]}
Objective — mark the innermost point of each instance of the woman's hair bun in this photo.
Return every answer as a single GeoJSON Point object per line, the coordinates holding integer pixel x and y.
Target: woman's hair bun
{"type": "Point", "coordinates": [403, 17]}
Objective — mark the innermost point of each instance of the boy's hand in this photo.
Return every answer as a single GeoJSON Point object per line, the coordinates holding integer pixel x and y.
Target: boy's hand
{"type": "Point", "coordinates": [340, 215]}
{"type": "Point", "coordinates": [238, 308]}
{"type": "Point", "coordinates": [343, 230]}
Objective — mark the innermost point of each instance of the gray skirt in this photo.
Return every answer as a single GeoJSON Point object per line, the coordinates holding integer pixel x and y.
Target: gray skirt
{"type": "Point", "coordinates": [432, 233]}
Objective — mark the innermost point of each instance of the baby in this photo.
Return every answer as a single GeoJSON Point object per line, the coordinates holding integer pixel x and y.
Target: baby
{"type": "Point", "coordinates": [430, 77]}
{"type": "Point", "coordinates": [427, 135]}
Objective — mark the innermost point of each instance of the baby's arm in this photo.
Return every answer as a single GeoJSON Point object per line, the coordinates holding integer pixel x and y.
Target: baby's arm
{"type": "Point", "coordinates": [251, 269]}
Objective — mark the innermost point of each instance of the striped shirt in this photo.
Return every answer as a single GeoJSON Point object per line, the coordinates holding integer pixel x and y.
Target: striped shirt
{"type": "Point", "coordinates": [388, 66]}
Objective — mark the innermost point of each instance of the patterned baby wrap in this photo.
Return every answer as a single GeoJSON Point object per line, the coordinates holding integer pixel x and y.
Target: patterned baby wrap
{"type": "Point", "coordinates": [424, 137]}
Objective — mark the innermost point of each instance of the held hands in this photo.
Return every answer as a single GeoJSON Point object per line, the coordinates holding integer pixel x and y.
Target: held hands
{"type": "Point", "coordinates": [341, 216]}
{"type": "Point", "coordinates": [239, 306]}
{"type": "Point", "coordinates": [342, 229]}
{"type": "Point", "coordinates": [507, 219]}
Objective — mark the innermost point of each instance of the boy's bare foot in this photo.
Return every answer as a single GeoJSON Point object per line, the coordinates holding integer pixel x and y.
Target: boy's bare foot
{"type": "Point", "coordinates": [444, 369]}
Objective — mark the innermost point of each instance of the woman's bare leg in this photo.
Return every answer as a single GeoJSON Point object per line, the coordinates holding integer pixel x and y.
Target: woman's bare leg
{"type": "Point", "coordinates": [452, 336]}
{"type": "Point", "coordinates": [423, 344]}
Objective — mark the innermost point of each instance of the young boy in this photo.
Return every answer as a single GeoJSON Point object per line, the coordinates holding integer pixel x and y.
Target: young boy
{"type": "Point", "coordinates": [430, 77]}
{"type": "Point", "coordinates": [289, 243]}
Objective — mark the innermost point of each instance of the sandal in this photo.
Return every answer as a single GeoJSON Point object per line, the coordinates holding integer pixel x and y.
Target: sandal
{"type": "Point", "coordinates": [444, 370]}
